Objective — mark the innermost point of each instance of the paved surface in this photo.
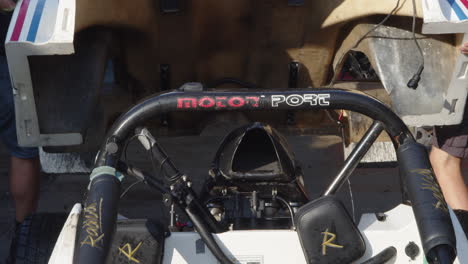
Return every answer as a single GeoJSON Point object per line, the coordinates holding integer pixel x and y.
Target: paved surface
{"type": "Point", "coordinates": [372, 190]}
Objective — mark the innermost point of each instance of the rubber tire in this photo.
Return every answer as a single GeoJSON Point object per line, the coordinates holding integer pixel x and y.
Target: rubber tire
{"type": "Point", "coordinates": [36, 237]}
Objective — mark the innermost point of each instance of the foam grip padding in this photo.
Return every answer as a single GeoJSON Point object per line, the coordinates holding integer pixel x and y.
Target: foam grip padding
{"type": "Point", "coordinates": [97, 223]}
{"type": "Point", "coordinates": [427, 200]}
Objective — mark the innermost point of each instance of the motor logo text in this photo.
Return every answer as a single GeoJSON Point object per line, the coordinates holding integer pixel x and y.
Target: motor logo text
{"type": "Point", "coordinates": [300, 99]}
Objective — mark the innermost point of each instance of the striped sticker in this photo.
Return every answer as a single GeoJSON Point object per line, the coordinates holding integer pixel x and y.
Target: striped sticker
{"type": "Point", "coordinates": [34, 25]}
{"type": "Point", "coordinates": [20, 20]}
{"type": "Point", "coordinates": [35, 21]}
{"type": "Point", "coordinates": [460, 7]}
{"type": "Point", "coordinates": [465, 3]}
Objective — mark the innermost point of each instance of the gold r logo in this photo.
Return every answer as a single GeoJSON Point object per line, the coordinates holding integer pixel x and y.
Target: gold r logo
{"type": "Point", "coordinates": [328, 242]}
{"type": "Point", "coordinates": [129, 253]}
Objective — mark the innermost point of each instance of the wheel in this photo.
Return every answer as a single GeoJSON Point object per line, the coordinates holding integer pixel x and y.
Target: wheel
{"type": "Point", "coordinates": [36, 237]}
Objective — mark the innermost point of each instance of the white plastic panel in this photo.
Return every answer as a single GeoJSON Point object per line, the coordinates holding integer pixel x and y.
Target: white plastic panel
{"type": "Point", "coordinates": [38, 27]}
{"type": "Point", "coordinates": [445, 16]}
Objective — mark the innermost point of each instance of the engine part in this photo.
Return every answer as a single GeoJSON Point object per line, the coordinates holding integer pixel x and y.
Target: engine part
{"type": "Point", "coordinates": [255, 152]}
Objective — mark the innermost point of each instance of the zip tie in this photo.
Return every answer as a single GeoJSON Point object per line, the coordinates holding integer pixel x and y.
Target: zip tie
{"type": "Point", "coordinates": [104, 170]}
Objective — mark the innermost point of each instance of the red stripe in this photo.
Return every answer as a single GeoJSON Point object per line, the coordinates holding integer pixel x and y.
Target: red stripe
{"type": "Point", "coordinates": [20, 21]}
{"type": "Point", "coordinates": [465, 3]}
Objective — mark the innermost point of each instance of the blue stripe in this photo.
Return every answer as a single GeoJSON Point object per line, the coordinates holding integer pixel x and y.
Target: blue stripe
{"type": "Point", "coordinates": [461, 15]}
{"type": "Point", "coordinates": [35, 21]}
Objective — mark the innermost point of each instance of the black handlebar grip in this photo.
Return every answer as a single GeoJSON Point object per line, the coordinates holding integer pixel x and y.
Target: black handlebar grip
{"type": "Point", "coordinates": [429, 206]}
{"type": "Point", "coordinates": [98, 220]}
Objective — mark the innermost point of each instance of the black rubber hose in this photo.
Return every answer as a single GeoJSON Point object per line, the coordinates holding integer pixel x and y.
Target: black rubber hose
{"type": "Point", "coordinates": [383, 257]}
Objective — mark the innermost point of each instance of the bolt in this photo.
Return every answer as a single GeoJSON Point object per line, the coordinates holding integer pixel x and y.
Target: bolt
{"type": "Point", "coordinates": [112, 147]}
{"type": "Point", "coordinates": [381, 217]}
{"type": "Point", "coordinates": [412, 250]}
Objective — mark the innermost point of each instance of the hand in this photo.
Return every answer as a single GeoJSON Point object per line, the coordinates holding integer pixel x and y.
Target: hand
{"type": "Point", "coordinates": [7, 5]}
{"type": "Point", "coordinates": [464, 48]}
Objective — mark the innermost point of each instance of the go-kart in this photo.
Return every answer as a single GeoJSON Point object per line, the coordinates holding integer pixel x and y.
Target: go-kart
{"type": "Point", "coordinates": [253, 208]}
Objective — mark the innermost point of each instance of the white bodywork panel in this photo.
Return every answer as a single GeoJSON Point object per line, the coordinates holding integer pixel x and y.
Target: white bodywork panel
{"type": "Point", "coordinates": [65, 246]}
{"type": "Point", "coordinates": [37, 28]}
{"type": "Point", "coordinates": [256, 247]}
{"type": "Point", "coordinates": [447, 17]}
{"type": "Point", "coordinates": [278, 246]}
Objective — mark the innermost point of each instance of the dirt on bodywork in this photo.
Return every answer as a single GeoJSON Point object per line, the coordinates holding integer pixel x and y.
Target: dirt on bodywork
{"type": "Point", "coordinates": [249, 40]}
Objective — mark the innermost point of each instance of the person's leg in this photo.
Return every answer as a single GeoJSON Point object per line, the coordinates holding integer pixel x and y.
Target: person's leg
{"type": "Point", "coordinates": [447, 169]}
{"type": "Point", "coordinates": [24, 171]}
{"type": "Point", "coordinates": [24, 185]}
{"type": "Point", "coordinates": [24, 165]}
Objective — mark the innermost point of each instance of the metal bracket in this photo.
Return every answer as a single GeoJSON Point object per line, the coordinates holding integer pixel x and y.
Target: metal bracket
{"type": "Point", "coordinates": [293, 74]}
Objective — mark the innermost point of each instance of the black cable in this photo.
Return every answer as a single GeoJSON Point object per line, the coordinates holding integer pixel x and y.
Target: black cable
{"type": "Point", "coordinates": [167, 168]}
{"type": "Point", "coordinates": [130, 187]}
{"type": "Point", "coordinates": [192, 209]}
{"type": "Point", "coordinates": [335, 75]}
{"type": "Point", "coordinates": [413, 29]}
{"type": "Point", "coordinates": [291, 212]}
{"type": "Point", "coordinates": [414, 81]}
{"type": "Point", "coordinates": [125, 159]}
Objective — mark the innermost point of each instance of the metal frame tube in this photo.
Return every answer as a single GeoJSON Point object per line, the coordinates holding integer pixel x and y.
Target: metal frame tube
{"type": "Point", "coordinates": [211, 101]}
{"type": "Point", "coordinates": [355, 157]}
